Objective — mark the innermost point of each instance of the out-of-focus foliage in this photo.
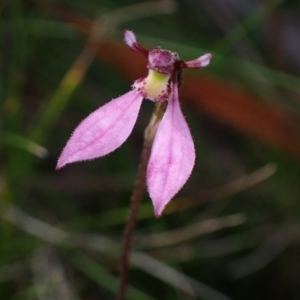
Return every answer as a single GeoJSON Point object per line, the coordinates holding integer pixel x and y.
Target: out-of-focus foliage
{"type": "Point", "coordinates": [232, 232]}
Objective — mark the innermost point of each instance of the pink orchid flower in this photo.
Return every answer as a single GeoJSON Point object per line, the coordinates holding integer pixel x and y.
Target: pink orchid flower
{"type": "Point", "coordinates": [173, 154]}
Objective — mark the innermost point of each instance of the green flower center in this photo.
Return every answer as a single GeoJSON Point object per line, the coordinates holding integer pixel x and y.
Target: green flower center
{"type": "Point", "coordinates": [154, 86]}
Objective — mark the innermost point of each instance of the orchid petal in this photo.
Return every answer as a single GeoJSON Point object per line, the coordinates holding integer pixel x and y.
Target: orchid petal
{"type": "Point", "coordinates": [131, 41]}
{"type": "Point", "coordinates": [103, 131]}
{"type": "Point", "coordinates": [199, 62]}
{"type": "Point", "coordinates": [172, 156]}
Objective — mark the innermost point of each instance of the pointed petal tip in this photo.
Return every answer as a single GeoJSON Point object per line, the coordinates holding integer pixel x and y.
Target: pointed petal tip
{"type": "Point", "coordinates": [158, 211]}
{"type": "Point", "coordinates": [206, 59]}
{"type": "Point", "coordinates": [129, 38]}
{"type": "Point", "coordinates": [126, 31]}
{"type": "Point", "coordinates": [59, 165]}
{"type": "Point", "coordinates": [159, 205]}
{"type": "Point", "coordinates": [157, 215]}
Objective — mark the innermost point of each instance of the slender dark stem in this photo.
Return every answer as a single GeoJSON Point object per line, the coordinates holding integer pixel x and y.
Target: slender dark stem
{"type": "Point", "coordinates": [137, 197]}
{"type": "Point", "coordinates": [129, 229]}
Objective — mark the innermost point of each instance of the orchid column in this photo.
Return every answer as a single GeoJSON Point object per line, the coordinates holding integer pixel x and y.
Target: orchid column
{"type": "Point", "coordinates": [168, 156]}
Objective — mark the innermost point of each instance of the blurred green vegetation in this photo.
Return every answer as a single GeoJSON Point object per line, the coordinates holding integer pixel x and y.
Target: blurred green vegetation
{"type": "Point", "coordinates": [231, 233]}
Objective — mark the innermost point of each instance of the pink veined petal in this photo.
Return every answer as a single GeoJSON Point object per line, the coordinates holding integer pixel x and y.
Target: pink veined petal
{"type": "Point", "coordinates": [103, 131]}
{"type": "Point", "coordinates": [172, 156]}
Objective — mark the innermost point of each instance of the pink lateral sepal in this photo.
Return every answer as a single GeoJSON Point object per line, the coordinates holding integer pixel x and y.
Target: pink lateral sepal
{"type": "Point", "coordinates": [103, 131]}
{"type": "Point", "coordinates": [172, 156]}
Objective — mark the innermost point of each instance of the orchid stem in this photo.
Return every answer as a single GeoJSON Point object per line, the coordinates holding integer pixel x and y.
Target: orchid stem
{"type": "Point", "coordinates": [136, 197]}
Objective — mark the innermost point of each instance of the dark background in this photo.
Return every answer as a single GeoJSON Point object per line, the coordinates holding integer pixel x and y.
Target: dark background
{"type": "Point", "coordinates": [233, 230]}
